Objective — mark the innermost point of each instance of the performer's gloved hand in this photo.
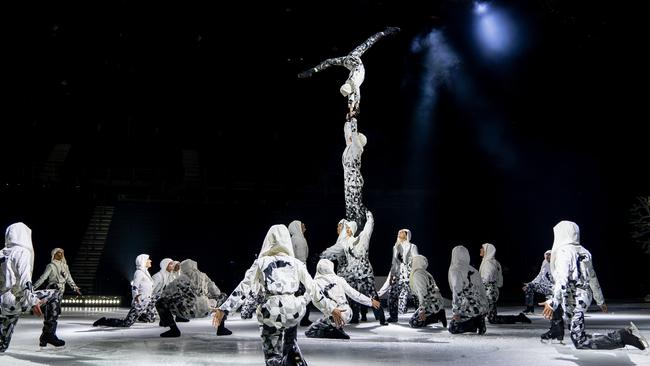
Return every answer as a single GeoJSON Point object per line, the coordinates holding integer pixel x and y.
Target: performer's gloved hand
{"type": "Point", "coordinates": [376, 304]}
{"type": "Point", "coordinates": [391, 30]}
{"type": "Point", "coordinates": [78, 291]}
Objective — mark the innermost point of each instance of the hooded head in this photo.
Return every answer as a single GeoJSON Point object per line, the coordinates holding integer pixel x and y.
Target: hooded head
{"type": "Point", "coordinates": [189, 266]}
{"type": "Point", "coordinates": [547, 253]}
{"type": "Point", "coordinates": [277, 240]}
{"type": "Point", "coordinates": [459, 256]}
{"type": "Point", "coordinates": [488, 251]}
{"type": "Point", "coordinates": [564, 233]}
{"type": "Point", "coordinates": [20, 235]}
{"type": "Point", "coordinates": [346, 89]}
{"type": "Point", "coordinates": [352, 225]}
{"type": "Point", "coordinates": [419, 262]}
{"type": "Point", "coordinates": [408, 236]}
{"type": "Point", "coordinates": [325, 267]}
{"type": "Point", "coordinates": [164, 263]}
{"type": "Point", "coordinates": [56, 250]}
{"type": "Point", "coordinates": [295, 228]}
{"type": "Point", "coordinates": [141, 262]}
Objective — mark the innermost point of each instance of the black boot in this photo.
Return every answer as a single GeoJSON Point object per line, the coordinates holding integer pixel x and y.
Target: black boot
{"type": "Point", "coordinates": [529, 310]}
{"type": "Point", "coordinates": [180, 319]}
{"type": "Point", "coordinates": [521, 318]}
{"type": "Point", "coordinates": [442, 317]}
{"type": "Point", "coordinates": [173, 332]}
{"type": "Point", "coordinates": [556, 331]}
{"type": "Point", "coordinates": [100, 321]}
{"type": "Point", "coordinates": [379, 315]}
{"type": "Point", "coordinates": [480, 325]}
{"type": "Point", "coordinates": [222, 330]}
{"type": "Point", "coordinates": [50, 338]}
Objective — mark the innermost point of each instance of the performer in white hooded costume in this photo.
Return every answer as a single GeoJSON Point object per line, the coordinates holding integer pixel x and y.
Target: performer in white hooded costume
{"type": "Point", "coordinates": [192, 295]}
{"type": "Point", "coordinates": [359, 270]}
{"type": "Point", "coordinates": [469, 303]}
{"type": "Point", "coordinates": [492, 278]}
{"type": "Point", "coordinates": [542, 284]}
{"type": "Point", "coordinates": [163, 277]}
{"type": "Point", "coordinates": [422, 284]}
{"type": "Point", "coordinates": [335, 253]}
{"type": "Point", "coordinates": [142, 305]}
{"type": "Point", "coordinates": [575, 285]}
{"type": "Point", "coordinates": [351, 89]}
{"type": "Point", "coordinates": [57, 274]}
{"type": "Point", "coordinates": [278, 275]}
{"type": "Point", "coordinates": [397, 282]}
{"type": "Point", "coordinates": [335, 288]}
{"type": "Point", "coordinates": [17, 293]}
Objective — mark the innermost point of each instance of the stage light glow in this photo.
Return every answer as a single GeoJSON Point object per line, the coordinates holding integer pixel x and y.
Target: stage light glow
{"type": "Point", "coordinates": [480, 8]}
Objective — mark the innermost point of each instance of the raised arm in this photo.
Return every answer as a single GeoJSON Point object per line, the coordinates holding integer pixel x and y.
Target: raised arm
{"type": "Point", "coordinates": [44, 276]}
{"type": "Point", "coordinates": [362, 48]}
{"type": "Point", "coordinates": [338, 61]}
{"type": "Point", "coordinates": [364, 237]}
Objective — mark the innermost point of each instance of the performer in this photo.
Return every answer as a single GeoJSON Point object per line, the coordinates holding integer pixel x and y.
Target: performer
{"type": "Point", "coordinates": [542, 284]}
{"type": "Point", "coordinates": [142, 305]}
{"type": "Point", "coordinates": [352, 62]}
{"type": "Point", "coordinates": [575, 285]}
{"type": "Point", "coordinates": [397, 282]}
{"type": "Point", "coordinates": [360, 273]}
{"type": "Point", "coordinates": [335, 288]}
{"type": "Point", "coordinates": [492, 278]}
{"type": "Point", "coordinates": [431, 309]}
{"type": "Point", "coordinates": [469, 303]}
{"type": "Point", "coordinates": [57, 274]}
{"type": "Point", "coordinates": [277, 274]}
{"type": "Point", "coordinates": [192, 295]}
{"type": "Point", "coordinates": [17, 293]}
{"type": "Point", "coordinates": [352, 178]}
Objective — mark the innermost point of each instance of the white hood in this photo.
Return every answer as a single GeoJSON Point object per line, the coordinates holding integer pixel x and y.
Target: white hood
{"type": "Point", "coordinates": [325, 268]}
{"type": "Point", "coordinates": [20, 235]}
{"type": "Point", "coordinates": [418, 278]}
{"type": "Point", "coordinates": [353, 227]}
{"type": "Point", "coordinates": [408, 236]}
{"type": "Point", "coordinates": [140, 264]}
{"type": "Point", "coordinates": [299, 243]}
{"type": "Point", "coordinates": [164, 263]}
{"type": "Point", "coordinates": [277, 240]}
{"type": "Point", "coordinates": [564, 233]}
{"type": "Point", "coordinates": [459, 267]}
{"type": "Point", "coordinates": [56, 250]}
{"type": "Point", "coordinates": [490, 268]}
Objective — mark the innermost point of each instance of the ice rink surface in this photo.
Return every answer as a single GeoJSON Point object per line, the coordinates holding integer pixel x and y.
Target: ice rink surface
{"type": "Point", "coordinates": [370, 344]}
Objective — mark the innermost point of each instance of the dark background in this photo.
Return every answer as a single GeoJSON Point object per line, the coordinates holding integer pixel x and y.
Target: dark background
{"type": "Point", "coordinates": [556, 129]}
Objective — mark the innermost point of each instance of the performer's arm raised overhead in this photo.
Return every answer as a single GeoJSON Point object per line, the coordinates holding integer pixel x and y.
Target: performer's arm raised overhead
{"type": "Point", "coordinates": [338, 61]}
